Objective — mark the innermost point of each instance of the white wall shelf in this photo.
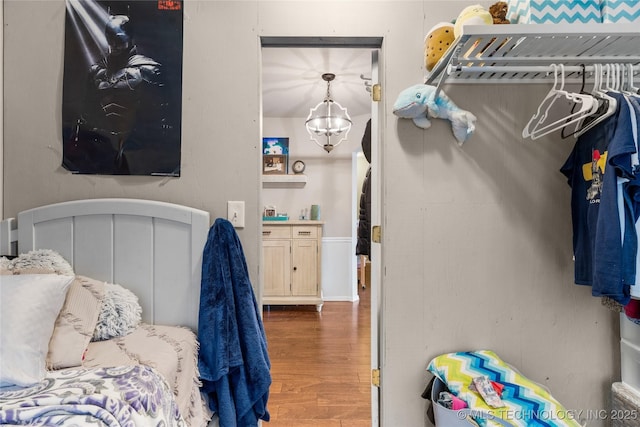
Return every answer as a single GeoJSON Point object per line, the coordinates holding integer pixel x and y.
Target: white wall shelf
{"type": "Point", "coordinates": [284, 181]}
{"type": "Point", "coordinates": [523, 53]}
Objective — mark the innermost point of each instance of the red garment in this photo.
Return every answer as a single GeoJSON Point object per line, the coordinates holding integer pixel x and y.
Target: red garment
{"type": "Point", "coordinates": [497, 387]}
{"type": "Point", "coordinates": [632, 310]}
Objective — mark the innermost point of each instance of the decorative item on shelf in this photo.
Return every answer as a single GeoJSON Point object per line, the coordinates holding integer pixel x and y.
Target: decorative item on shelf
{"type": "Point", "coordinates": [315, 212]}
{"type": "Point", "coordinates": [275, 146]}
{"type": "Point", "coordinates": [298, 166]}
{"type": "Point", "coordinates": [274, 164]}
{"type": "Point", "coordinates": [620, 11]}
{"type": "Point", "coordinates": [270, 214]}
{"type": "Point", "coordinates": [472, 15]}
{"type": "Point", "coordinates": [437, 41]}
{"type": "Point", "coordinates": [498, 12]}
{"type": "Point", "coordinates": [554, 12]}
{"type": "Point", "coordinates": [328, 120]}
{"type": "Point", "coordinates": [279, 217]}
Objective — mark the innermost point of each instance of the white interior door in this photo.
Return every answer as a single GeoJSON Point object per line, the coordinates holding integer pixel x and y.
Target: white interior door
{"type": "Point", "coordinates": [376, 253]}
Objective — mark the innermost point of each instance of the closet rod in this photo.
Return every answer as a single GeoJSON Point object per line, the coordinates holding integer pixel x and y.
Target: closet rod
{"type": "Point", "coordinates": [520, 69]}
{"type": "Point", "coordinates": [533, 60]}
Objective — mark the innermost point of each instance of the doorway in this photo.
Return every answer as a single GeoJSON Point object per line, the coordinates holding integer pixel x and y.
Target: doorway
{"type": "Point", "coordinates": [309, 72]}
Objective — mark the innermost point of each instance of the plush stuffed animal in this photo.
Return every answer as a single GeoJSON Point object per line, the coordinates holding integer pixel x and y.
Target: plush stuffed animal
{"type": "Point", "coordinates": [419, 103]}
{"type": "Point", "coordinates": [472, 15]}
{"type": "Point", "coordinates": [436, 43]}
{"type": "Point", "coordinates": [498, 11]}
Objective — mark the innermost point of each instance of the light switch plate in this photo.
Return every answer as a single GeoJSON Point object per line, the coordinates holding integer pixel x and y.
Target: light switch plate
{"type": "Point", "coordinates": [235, 213]}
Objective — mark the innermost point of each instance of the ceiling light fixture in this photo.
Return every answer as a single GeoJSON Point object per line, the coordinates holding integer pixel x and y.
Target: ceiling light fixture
{"type": "Point", "coordinates": [328, 120]}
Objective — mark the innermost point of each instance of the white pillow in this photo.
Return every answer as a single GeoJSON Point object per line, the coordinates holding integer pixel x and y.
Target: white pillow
{"type": "Point", "coordinates": [29, 306]}
{"type": "Point", "coordinates": [5, 265]}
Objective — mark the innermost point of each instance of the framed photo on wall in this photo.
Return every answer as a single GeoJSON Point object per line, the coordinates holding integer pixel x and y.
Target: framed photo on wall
{"type": "Point", "coordinates": [275, 146]}
{"type": "Point", "coordinates": [274, 164]}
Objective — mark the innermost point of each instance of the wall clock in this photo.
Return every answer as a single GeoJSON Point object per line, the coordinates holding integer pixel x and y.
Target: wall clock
{"type": "Point", "coordinates": [298, 166]}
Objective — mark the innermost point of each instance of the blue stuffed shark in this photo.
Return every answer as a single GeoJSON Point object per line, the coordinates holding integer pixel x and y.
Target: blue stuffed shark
{"type": "Point", "coordinates": [419, 103]}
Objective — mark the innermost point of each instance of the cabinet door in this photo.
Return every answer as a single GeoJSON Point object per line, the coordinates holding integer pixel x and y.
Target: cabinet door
{"type": "Point", "coordinates": [277, 267]}
{"type": "Point", "coordinates": [304, 274]}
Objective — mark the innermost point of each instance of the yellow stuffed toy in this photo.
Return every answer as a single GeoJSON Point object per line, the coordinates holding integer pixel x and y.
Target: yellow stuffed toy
{"type": "Point", "coordinates": [442, 35]}
{"type": "Point", "coordinates": [436, 43]}
{"type": "Point", "coordinates": [472, 15]}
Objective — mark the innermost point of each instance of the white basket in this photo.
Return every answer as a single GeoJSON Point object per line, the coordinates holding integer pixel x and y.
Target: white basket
{"type": "Point", "coordinates": [456, 418]}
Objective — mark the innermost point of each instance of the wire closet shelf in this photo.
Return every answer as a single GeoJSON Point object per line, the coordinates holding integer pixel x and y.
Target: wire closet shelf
{"type": "Point", "coordinates": [523, 53]}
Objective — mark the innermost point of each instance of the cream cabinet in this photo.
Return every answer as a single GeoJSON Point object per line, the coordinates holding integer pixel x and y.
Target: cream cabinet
{"type": "Point", "coordinates": [292, 260]}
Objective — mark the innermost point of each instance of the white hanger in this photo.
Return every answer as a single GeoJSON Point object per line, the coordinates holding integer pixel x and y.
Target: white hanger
{"type": "Point", "coordinates": [547, 101]}
{"type": "Point", "coordinates": [624, 79]}
{"type": "Point", "coordinates": [536, 128]}
{"type": "Point", "coordinates": [631, 89]}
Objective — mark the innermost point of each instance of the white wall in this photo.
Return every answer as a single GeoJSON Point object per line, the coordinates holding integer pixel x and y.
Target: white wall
{"type": "Point", "coordinates": [328, 174]}
{"type": "Point", "coordinates": [338, 268]}
{"type": "Point", "coordinates": [476, 241]}
{"type": "Point", "coordinates": [2, 122]}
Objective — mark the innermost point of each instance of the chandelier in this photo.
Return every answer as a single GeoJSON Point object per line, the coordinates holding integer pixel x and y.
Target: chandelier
{"type": "Point", "coordinates": [328, 121]}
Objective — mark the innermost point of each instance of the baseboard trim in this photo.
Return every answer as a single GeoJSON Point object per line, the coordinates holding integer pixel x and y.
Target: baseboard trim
{"type": "Point", "coordinates": [342, 299]}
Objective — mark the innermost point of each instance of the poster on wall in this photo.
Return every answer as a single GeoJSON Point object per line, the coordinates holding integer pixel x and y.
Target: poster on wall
{"type": "Point", "coordinates": [122, 87]}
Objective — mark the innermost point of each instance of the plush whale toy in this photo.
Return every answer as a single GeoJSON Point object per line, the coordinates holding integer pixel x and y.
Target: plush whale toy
{"type": "Point", "coordinates": [419, 103]}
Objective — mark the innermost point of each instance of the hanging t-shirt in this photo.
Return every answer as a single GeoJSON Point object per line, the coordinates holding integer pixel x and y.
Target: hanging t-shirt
{"type": "Point", "coordinates": [597, 237]}
{"type": "Point", "coordinates": [632, 195]}
{"type": "Point", "coordinates": [626, 205]}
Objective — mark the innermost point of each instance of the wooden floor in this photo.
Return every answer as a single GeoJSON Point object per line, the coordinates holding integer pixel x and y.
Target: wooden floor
{"type": "Point", "coordinates": [320, 364]}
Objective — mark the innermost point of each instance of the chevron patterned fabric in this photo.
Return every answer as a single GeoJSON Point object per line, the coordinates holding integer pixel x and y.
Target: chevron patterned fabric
{"type": "Point", "coordinates": [624, 11]}
{"type": "Point", "coordinates": [554, 11]}
{"type": "Point", "coordinates": [527, 403]}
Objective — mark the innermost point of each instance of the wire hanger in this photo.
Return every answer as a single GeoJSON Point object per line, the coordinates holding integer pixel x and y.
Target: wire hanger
{"type": "Point", "coordinates": [545, 104]}
{"type": "Point", "coordinates": [563, 133]}
{"type": "Point", "coordinates": [609, 104]}
{"type": "Point", "coordinates": [536, 127]}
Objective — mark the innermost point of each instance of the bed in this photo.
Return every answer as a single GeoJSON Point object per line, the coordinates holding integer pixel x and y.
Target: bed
{"type": "Point", "coordinates": [148, 376]}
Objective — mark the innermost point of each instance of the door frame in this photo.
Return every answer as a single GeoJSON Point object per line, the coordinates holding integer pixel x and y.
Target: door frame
{"type": "Point", "coordinates": [377, 113]}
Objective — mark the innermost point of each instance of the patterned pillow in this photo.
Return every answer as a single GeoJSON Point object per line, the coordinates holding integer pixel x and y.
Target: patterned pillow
{"type": "Point", "coordinates": [75, 324]}
{"type": "Point", "coordinates": [526, 402]}
{"type": "Point", "coordinates": [41, 261]}
{"type": "Point", "coordinates": [120, 313]}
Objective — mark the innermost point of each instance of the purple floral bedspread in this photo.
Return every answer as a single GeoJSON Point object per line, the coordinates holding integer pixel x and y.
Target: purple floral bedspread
{"type": "Point", "coordinates": [130, 396]}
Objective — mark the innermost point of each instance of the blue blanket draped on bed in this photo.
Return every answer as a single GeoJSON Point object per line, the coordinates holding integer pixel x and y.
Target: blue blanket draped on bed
{"type": "Point", "coordinates": [233, 360]}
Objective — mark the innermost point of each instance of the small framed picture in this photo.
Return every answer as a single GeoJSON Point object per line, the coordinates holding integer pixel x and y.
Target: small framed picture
{"type": "Point", "coordinates": [274, 164]}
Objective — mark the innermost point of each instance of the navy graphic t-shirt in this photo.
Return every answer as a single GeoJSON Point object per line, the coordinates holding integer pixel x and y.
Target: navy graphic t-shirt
{"type": "Point", "coordinates": [599, 157]}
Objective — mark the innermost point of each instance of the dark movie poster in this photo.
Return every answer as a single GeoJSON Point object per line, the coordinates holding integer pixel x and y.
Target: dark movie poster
{"type": "Point", "coordinates": [122, 87]}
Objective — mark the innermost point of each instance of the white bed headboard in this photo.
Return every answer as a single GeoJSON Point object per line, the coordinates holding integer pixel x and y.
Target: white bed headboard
{"type": "Point", "coordinates": [152, 248]}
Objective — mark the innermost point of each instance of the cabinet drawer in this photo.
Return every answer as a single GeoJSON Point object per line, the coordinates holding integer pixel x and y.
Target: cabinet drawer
{"type": "Point", "coordinates": [275, 232]}
{"type": "Point", "coordinates": [305, 232]}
